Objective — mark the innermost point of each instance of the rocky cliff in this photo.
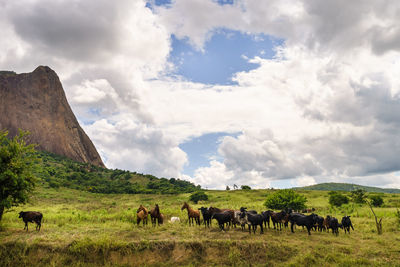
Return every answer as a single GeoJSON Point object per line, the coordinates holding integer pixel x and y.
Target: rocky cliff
{"type": "Point", "coordinates": [36, 102]}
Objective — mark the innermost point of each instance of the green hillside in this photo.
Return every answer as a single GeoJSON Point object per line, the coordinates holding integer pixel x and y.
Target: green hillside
{"type": "Point", "coordinates": [347, 187]}
{"type": "Point", "coordinates": [57, 171]}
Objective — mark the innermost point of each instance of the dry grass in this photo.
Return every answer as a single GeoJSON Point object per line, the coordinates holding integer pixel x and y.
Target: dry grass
{"type": "Point", "coordinates": [84, 229]}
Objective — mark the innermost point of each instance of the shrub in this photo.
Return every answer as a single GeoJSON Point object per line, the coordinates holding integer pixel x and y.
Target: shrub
{"type": "Point", "coordinates": [358, 196]}
{"type": "Point", "coordinates": [245, 187]}
{"type": "Point", "coordinates": [376, 200]}
{"type": "Point", "coordinates": [337, 199]}
{"type": "Point", "coordinates": [284, 199]}
{"type": "Point", "coordinates": [197, 196]}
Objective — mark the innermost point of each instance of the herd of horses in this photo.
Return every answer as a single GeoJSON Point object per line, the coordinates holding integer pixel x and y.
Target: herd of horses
{"type": "Point", "coordinates": [230, 217]}
{"type": "Point", "coordinates": [253, 219]}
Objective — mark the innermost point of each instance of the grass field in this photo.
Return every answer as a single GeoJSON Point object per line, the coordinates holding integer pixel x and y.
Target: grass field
{"type": "Point", "coordinates": [87, 229]}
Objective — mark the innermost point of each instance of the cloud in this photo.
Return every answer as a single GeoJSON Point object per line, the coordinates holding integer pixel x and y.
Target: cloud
{"type": "Point", "coordinates": [325, 108]}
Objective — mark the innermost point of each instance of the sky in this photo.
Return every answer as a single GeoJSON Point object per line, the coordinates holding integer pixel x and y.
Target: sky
{"type": "Point", "coordinates": [267, 93]}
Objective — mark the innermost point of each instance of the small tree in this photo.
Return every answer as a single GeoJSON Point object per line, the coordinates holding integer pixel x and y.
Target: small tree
{"type": "Point", "coordinates": [197, 196]}
{"type": "Point", "coordinates": [285, 199]}
{"type": "Point", "coordinates": [376, 200]}
{"type": "Point", "coordinates": [337, 199]}
{"type": "Point", "coordinates": [227, 188]}
{"type": "Point", "coordinates": [245, 187]}
{"type": "Point", "coordinates": [16, 163]}
{"type": "Point", "coordinates": [358, 196]}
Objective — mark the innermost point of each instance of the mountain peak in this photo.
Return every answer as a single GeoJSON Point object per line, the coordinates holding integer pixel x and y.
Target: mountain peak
{"type": "Point", "coordinates": [36, 102]}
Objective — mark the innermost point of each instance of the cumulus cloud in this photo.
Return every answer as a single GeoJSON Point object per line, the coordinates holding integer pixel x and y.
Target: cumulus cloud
{"type": "Point", "coordinates": [324, 109]}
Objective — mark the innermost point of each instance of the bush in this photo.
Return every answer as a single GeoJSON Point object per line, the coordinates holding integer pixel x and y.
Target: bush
{"type": "Point", "coordinates": [197, 196]}
{"type": "Point", "coordinates": [358, 196]}
{"type": "Point", "coordinates": [285, 199]}
{"type": "Point", "coordinates": [245, 187]}
{"type": "Point", "coordinates": [376, 200]}
{"type": "Point", "coordinates": [337, 199]}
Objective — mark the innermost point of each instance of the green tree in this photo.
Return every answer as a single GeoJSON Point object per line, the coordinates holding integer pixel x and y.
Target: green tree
{"type": "Point", "coordinates": [228, 188]}
{"type": "Point", "coordinates": [284, 199]}
{"type": "Point", "coordinates": [337, 199]}
{"type": "Point", "coordinates": [358, 196]}
{"type": "Point", "coordinates": [245, 187]}
{"type": "Point", "coordinates": [197, 196]}
{"type": "Point", "coordinates": [376, 200]}
{"type": "Point", "coordinates": [17, 160]}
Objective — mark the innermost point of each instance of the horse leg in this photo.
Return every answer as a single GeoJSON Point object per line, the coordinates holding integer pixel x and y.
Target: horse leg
{"type": "Point", "coordinates": [262, 230]}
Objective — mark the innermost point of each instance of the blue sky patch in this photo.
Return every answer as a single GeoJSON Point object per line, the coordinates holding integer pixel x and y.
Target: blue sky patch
{"type": "Point", "coordinates": [201, 149]}
{"type": "Point", "coordinates": [226, 53]}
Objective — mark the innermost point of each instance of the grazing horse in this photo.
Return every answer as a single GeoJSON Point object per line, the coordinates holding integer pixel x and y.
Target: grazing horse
{"type": "Point", "coordinates": [31, 216]}
{"type": "Point", "coordinates": [214, 210]}
{"type": "Point", "coordinates": [206, 216]}
{"type": "Point", "coordinates": [346, 223]}
{"type": "Point", "coordinates": [156, 216]}
{"type": "Point", "coordinates": [253, 220]}
{"type": "Point", "coordinates": [279, 218]}
{"type": "Point", "coordinates": [267, 217]}
{"type": "Point", "coordinates": [303, 220]}
{"type": "Point", "coordinates": [141, 215]}
{"type": "Point", "coordinates": [192, 214]}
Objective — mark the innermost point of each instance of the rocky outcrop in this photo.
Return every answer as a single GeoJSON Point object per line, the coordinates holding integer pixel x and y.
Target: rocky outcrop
{"type": "Point", "coordinates": [36, 102]}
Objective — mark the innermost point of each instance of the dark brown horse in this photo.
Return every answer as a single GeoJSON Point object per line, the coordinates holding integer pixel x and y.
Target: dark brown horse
{"type": "Point", "coordinates": [214, 210]}
{"type": "Point", "coordinates": [141, 215]}
{"type": "Point", "coordinates": [192, 214]}
{"type": "Point", "coordinates": [156, 216]}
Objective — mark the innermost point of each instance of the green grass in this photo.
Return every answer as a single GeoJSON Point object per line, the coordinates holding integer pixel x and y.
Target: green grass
{"type": "Point", "coordinates": [88, 229]}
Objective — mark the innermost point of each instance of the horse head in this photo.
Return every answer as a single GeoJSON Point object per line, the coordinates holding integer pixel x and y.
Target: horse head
{"type": "Point", "coordinates": [185, 206]}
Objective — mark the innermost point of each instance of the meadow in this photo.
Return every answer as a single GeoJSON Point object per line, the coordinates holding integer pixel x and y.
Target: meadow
{"type": "Point", "coordinates": [90, 229]}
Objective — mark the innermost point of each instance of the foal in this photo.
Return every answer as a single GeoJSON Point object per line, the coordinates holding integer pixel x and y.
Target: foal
{"type": "Point", "coordinates": [142, 214]}
{"type": "Point", "coordinates": [192, 214]}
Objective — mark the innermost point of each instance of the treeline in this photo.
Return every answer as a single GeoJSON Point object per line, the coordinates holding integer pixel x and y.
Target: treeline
{"type": "Point", "coordinates": [57, 171]}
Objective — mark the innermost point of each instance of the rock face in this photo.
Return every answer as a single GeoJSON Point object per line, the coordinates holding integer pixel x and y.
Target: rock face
{"type": "Point", "coordinates": [36, 102]}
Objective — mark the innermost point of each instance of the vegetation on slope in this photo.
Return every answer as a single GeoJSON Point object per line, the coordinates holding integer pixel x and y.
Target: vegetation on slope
{"type": "Point", "coordinates": [57, 171]}
{"type": "Point", "coordinates": [347, 188]}
{"type": "Point", "coordinates": [91, 229]}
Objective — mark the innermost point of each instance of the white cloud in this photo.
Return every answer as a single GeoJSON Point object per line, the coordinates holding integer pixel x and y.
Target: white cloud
{"type": "Point", "coordinates": [325, 108]}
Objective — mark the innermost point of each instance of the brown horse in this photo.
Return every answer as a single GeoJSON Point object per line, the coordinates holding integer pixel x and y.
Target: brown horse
{"type": "Point", "coordinates": [156, 216]}
{"type": "Point", "coordinates": [142, 214]}
{"type": "Point", "coordinates": [192, 214]}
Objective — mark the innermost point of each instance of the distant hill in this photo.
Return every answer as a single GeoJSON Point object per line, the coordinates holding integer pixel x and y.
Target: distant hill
{"type": "Point", "coordinates": [58, 171]}
{"type": "Point", "coordinates": [347, 187]}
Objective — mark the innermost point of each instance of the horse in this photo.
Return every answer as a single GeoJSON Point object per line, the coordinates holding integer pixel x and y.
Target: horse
{"type": "Point", "coordinates": [214, 210]}
{"type": "Point", "coordinates": [142, 214]}
{"type": "Point", "coordinates": [193, 215]}
{"type": "Point", "coordinates": [156, 216]}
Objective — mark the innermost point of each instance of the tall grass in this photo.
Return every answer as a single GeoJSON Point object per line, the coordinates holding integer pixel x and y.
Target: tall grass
{"type": "Point", "coordinates": [81, 229]}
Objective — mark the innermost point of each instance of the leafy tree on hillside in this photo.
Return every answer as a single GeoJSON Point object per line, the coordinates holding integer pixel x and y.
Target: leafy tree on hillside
{"type": "Point", "coordinates": [376, 200]}
{"type": "Point", "coordinates": [16, 166]}
{"type": "Point", "coordinates": [285, 199]}
{"type": "Point", "coordinates": [358, 196]}
{"type": "Point", "coordinates": [337, 199]}
{"type": "Point", "coordinates": [228, 188]}
{"type": "Point", "coordinates": [197, 196]}
{"type": "Point", "coordinates": [245, 187]}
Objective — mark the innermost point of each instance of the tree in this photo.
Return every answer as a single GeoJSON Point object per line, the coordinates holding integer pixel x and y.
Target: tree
{"type": "Point", "coordinates": [245, 187]}
{"type": "Point", "coordinates": [228, 188]}
{"type": "Point", "coordinates": [17, 160]}
{"type": "Point", "coordinates": [197, 196]}
{"type": "Point", "coordinates": [337, 199]}
{"type": "Point", "coordinates": [376, 200]}
{"type": "Point", "coordinates": [285, 199]}
{"type": "Point", "coordinates": [358, 196]}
